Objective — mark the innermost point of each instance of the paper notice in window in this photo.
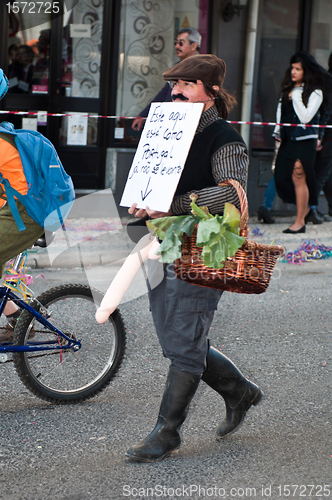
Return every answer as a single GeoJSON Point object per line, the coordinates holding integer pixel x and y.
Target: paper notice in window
{"type": "Point", "coordinates": [77, 132]}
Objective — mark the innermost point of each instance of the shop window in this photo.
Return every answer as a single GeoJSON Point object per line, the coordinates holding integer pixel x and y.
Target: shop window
{"type": "Point", "coordinates": [278, 41]}
{"type": "Point", "coordinates": [28, 54]}
{"type": "Point", "coordinates": [321, 31]}
{"type": "Point", "coordinates": [78, 130]}
{"type": "Point", "coordinates": [81, 49]}
{"type": "Point", "coordinates": [80, 75]}
{"type": "Point", "coordinates": [147, 34]}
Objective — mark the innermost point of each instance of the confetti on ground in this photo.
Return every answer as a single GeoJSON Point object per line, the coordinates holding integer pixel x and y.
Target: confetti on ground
{"type": "Point", "coordinates": [89, 238]}
{"type": "Point", "coordinates": [77, 231]}
{"type": "Point", "coordinates": [307, 251]}
{"type": "Point", "coordinates": [257, 232]}
{"type": "Point", "coordinates": [101, 226]}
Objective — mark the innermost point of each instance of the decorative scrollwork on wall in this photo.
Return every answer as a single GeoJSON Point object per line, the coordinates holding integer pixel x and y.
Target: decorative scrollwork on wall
{"type": "Point", "coordinates": [137, 87]}
{"type": "Point", "coordinates": [147, 33]}
{"type": "Point", "coordinates": [140, 23]}
{"type": "Point", "coordinates": [87, 51]}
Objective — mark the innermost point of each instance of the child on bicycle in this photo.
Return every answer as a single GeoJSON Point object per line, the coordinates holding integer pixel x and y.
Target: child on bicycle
{"type": "Point", "coordinates": [12, 241]}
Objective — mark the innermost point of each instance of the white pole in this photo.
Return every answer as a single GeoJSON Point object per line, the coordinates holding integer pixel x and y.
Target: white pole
{"type": "Point", "coordinates": [247, 87]}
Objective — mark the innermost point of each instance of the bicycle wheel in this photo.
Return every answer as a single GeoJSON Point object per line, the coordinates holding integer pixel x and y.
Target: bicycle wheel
{"type": "Point", "coordinates": [69, 375]}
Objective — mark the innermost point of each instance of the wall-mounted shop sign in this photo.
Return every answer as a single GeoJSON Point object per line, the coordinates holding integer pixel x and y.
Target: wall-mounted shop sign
{"type": "Point", "coordinates": [80, 30]}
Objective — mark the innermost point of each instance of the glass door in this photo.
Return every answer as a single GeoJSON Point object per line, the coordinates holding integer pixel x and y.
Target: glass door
{"type": "Point", "coordinates": [147, 31]}
{"type": "Point", "coordinates": [28, 64]}
{"type": "Point", "coordinates": [54, 69]}
{"type": "Point", "coordinates": [78, 91]}
{"type": "Point", "coordinates": [278, 40]}
{"type": "Point", "coordinates": [321, 32]}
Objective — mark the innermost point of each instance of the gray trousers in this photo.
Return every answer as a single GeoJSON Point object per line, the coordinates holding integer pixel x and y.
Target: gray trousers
{"type": "Point", "coordinates": [182, 315]}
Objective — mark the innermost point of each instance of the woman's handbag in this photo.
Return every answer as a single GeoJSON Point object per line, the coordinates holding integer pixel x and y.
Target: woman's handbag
{"type": "Point", "coordinates": [248, 271]}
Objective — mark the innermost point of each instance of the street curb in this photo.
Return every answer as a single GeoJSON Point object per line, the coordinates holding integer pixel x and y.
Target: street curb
{"type": "Point", "coordinates": [105, 248]}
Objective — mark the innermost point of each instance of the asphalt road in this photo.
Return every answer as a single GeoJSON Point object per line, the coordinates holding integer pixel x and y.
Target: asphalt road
{"type": "Point", "coordinates": [281, 340]}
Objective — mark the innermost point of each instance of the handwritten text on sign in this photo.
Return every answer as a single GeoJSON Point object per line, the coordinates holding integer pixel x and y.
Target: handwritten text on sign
{"type": "Point", "coordinates": [161, 154]}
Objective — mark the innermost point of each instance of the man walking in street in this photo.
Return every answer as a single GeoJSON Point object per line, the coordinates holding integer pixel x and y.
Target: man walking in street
{"type": "Point", "coordinates": [183, 312]}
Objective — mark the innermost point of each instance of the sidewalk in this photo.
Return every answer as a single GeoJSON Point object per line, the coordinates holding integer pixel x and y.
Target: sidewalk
{"type": "Point", "coordinates": [87, 242]}
{"type": "Point", "coordinates": [90, 242]}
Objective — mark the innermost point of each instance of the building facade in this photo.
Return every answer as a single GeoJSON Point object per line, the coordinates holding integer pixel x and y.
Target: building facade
{"type": "Point", "coordinates": [105, 58]}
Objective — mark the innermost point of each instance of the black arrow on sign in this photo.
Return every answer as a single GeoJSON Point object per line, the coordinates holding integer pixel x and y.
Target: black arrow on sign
{"type": "Point", "coordinates": [146, 194]}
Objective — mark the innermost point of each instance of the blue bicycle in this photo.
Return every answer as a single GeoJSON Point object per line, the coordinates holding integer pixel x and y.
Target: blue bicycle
{"type": "Point", "coordinates": [60, 352]}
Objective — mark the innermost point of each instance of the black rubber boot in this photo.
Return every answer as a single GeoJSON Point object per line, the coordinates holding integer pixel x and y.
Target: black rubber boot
{"type": "Point", "coordinates": [165, 438]}
{"type": "Point", "coordinates": [313, 217]}
{"type": "Point", "coordinates": [239, 394]}
{"type": "Point", "coordinates": [265, 215]}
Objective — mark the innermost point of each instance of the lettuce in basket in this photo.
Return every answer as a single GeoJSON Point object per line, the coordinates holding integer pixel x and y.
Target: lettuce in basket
{"type": "Point", "coordinates": [218, 235]}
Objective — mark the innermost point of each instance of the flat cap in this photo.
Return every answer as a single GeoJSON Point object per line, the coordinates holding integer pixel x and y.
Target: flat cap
{"type": "Point", "coordinates": [205, 67]}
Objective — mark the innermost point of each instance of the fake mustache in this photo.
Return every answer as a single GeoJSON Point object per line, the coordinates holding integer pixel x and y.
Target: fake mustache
{"type": "Point", "coordinates": [179, 96]}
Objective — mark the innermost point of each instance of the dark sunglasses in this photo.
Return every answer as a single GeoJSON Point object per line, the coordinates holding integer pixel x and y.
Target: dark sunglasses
{"type": "Point", "coordinates": [181, 42]}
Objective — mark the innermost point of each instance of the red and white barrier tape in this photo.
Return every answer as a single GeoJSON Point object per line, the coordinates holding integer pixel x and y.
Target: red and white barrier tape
{"type": "Point", "coordinates": [281, 124]}
{"type": "Point", "coordinates": [36, 113]}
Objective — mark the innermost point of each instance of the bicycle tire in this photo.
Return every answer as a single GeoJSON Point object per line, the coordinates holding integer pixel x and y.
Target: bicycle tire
{"type": "Point", "coordinates": [69, 376]}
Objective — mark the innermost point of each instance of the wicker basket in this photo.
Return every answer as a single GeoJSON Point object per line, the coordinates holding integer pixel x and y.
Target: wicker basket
{"type": "Point", "coordinates": [248, 271]}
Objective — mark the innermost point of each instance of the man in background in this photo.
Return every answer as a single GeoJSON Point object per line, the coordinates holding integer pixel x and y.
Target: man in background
{"type": "Point", "coordinates": [187, 44]}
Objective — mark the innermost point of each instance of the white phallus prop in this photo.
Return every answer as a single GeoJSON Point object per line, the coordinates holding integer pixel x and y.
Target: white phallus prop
{"type": "Point", "coordinates": [145, 248]}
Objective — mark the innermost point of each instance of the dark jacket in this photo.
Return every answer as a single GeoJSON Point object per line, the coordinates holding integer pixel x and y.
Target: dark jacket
{"type": "Point", "coordinates": [299, 133]}
{"type": "Point", "coordinates": [163, 96]}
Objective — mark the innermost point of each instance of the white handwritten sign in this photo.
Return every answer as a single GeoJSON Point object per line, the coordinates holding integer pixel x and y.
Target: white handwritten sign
{"type": "Point", "coordinates": [161, 154]}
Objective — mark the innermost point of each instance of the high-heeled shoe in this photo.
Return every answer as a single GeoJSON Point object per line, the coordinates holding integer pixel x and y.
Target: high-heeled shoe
{"type": "Point", "coordinates": [291, 231]}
